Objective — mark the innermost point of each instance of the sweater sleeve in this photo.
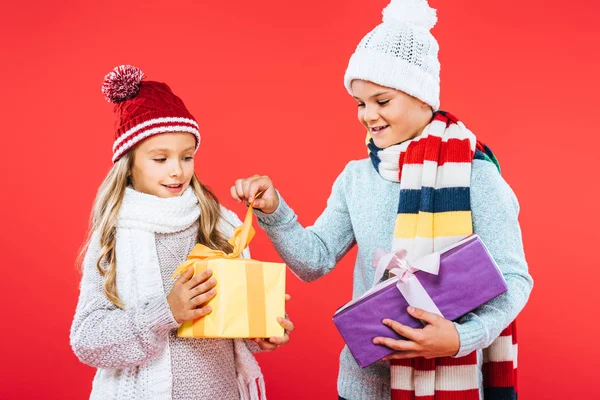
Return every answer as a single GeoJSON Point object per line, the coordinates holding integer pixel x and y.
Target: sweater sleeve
{"type": "Point", "coordinates": [314, 251]}
{"type": "Point", "coordinates": [104, 336]}
{"type": "Point", "coordinates": [495, 219]}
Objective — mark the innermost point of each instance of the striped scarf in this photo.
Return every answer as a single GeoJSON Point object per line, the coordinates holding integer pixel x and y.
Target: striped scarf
{"type": "Point", "coordinates": [434, 171]}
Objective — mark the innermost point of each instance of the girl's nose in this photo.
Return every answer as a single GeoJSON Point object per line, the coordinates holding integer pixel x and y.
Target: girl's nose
{"type": "Point", "coordinates": [176, 171]}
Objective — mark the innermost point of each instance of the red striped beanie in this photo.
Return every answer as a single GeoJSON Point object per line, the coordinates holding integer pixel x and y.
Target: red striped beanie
{"type": "Point", "coordinates": [144, 109]}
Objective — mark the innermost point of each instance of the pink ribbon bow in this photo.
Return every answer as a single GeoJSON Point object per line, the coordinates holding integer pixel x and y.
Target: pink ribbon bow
{"type": "Point", "coordinates": [408, 284]}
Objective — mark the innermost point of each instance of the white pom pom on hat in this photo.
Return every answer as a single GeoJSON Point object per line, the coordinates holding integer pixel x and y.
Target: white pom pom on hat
{"type": "Point", "coordinates": [400, 53]}
{"type": "Point", "coordinates": [415, 12]}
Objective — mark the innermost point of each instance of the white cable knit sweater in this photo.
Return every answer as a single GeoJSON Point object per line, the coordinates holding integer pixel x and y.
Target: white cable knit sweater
{"type": "Point", "coordinates": [136, 350]}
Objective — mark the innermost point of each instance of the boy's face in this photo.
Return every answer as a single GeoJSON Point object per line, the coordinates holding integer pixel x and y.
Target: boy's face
{"type": "Point", "coordinates": [391, 116]}
{"type": "Point", "coordinates": [163, 164]}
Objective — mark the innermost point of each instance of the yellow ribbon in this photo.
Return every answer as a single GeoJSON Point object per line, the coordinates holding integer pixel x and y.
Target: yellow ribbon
{"type": "Point", "coordinates": [242, 236]}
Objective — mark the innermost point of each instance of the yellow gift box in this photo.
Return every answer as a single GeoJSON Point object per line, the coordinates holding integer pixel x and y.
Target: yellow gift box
{"type": "Point", "coordinates": [250, 294]}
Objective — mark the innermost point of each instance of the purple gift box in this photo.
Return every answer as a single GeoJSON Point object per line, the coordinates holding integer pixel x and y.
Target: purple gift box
{"type": "Point", "coordinates": [468, 277]}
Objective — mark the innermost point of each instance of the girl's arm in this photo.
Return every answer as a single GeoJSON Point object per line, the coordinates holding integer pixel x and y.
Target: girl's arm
{"type": "Point", "coordinates": [104, 336]}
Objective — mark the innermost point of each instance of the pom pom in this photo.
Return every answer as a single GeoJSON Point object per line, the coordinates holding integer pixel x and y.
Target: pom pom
{"type": "Point", "coordinates": [414, 12]}
{"type": "Point", "coordinates": [122, 83]}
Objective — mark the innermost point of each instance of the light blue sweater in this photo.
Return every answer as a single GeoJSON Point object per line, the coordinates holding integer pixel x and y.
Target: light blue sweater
{"type": "Point", "coordinates": [362, 210]}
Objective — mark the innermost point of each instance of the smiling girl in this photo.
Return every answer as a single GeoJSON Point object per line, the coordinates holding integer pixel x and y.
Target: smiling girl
{"type": "Point", "coordinates": [149, 213]}
{"type": "Point", "coordinates": [427, 184]}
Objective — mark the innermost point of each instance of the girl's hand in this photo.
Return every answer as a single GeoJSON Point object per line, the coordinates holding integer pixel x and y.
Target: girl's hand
{"type": "Point", "coordinates": [274, 342]}
{"type": "Point", "coordinates": [188, 297]}
{"type": "Point", "coordinates": [246, 190]}
{"type": "Point", "coordinates": [437, 339]}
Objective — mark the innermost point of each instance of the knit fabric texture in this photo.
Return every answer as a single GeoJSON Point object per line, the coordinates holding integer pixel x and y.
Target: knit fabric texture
{"type": "Point", "coordinates": [358, 212]}
{"type": "Point", "coordinates": [400, 53]}
{"type": "Point", "coordinates": [211, 360]}
{"type": "Point", "coordinates": [136, 349]}
{"type": "Point", "coordinates": [434, 171]}
{"type": "Point", "coordinates": [144, 109]}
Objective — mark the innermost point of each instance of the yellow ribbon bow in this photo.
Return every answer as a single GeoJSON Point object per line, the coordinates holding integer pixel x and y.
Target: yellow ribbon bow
{"type": "Point", "coordinates": [242, 236]}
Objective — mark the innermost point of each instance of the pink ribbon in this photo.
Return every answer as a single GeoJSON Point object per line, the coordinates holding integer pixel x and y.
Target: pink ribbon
{"type": "Point", "coordinates": [404, 271]}
{"type": "Point", "coordinates": [405, 279]}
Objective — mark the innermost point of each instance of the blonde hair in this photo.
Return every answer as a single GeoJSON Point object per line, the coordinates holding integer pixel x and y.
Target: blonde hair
{"type": "Point", "coordinates": [105, 213]}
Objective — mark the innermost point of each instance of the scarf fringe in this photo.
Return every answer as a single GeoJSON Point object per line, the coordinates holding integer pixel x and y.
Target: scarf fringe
{"type": "Point", "coordinates": [252, 390]}
{"type": "Point", "coordinates": [250, 380]}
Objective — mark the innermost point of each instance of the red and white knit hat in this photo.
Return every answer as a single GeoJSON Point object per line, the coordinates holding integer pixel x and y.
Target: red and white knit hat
{"type": "Point", "coordinates": [144, 109]}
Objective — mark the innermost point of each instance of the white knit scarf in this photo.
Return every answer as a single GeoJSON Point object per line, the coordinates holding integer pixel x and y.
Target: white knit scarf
{"type": "Point", "coordinates": [139, 279]}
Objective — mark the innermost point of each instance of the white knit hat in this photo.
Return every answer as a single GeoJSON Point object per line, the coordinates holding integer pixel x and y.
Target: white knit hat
{"type": "Point", "coordinates": [401, 53]}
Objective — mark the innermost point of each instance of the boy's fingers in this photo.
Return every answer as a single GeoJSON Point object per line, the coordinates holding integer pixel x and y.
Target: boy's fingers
{"type": "Point", "coordinates": [423, 315]}
{"type": "Point", "coordinates": [260, 203]}
{"type": "Point", "coordinates": [246, 188]}
{"type": "Point", "coordinates": [234, 194]}
{"type": "Point", "coordinates": [405, 331]}
{"type": "Point", "coordinates": [254, 186]}
{"type": "Point", "coordinates": [398, 345]}
{"type": "Point", "coordinates": [239, 188]}
{"type": "Point", "coordinates": [403, 355]}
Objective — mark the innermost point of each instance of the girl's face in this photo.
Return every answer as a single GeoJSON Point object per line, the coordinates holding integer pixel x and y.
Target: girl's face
{"type": "Point", "coordinates": [390, 116]}
{"type": "Point", "coordinates": [163, 165]}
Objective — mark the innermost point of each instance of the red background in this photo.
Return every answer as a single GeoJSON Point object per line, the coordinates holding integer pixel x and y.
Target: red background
{"type": "Point", "coordinates": [264, 79]}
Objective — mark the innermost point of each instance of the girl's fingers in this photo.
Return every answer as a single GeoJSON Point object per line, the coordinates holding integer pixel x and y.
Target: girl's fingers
{"type": "Point", "coordinates": [198, 279]}
{"type": "Point", "coordinates": [199, 312]}
{"type": "Point", "coordinates": [280, 340]}
{"type": "Point", "coordinates": [286, 324]}
{"type": "Point", "coordinates": [185, 277]}
{"type": "Point", "coordinates": [265, 345]}
{"type": "Point", "coordinates": [203, 298]}
{"type": "Point", "coordinates": [202, 288]}
{"type": "Point", "coordinates": [287, 297]}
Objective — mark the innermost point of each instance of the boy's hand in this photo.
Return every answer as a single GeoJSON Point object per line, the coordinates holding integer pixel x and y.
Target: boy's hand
{"type": "Point", "coordinates": [246, 190]}
{"type": "Point", "coordinates": [438, 338]}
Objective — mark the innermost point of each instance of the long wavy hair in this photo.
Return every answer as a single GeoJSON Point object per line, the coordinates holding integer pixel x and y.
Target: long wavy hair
{"type": "Point", "coordinates": [105, 213]}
